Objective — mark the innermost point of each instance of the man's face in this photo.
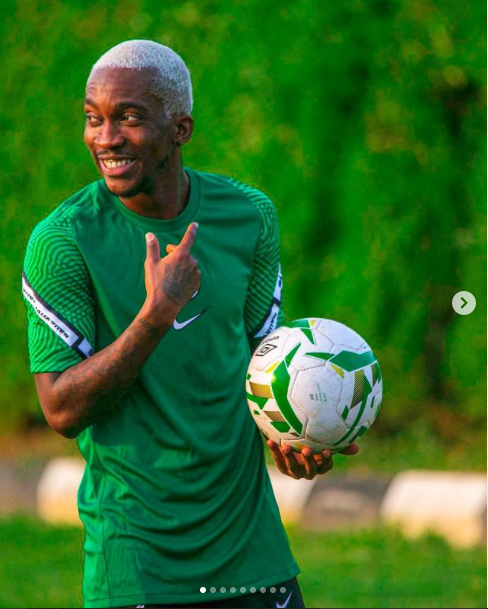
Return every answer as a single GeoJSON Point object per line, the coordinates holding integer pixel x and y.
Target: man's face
{"type": "Point", "coordinates": [127, 131]}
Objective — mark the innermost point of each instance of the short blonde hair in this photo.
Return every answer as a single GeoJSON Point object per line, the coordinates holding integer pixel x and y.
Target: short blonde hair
{"type": "Point", "coordinates": [172, 83]}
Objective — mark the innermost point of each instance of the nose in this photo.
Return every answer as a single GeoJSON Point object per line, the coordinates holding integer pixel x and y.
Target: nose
{"type": "Point", "coordinates": [109, 136]}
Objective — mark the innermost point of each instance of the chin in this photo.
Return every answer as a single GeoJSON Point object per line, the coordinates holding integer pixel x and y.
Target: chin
{"type": "Point", "coordinates": [124, 190]}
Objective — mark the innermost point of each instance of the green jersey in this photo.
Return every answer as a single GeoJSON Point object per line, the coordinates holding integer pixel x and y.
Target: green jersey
{"type": "Point", "coordinates": [175, 495]}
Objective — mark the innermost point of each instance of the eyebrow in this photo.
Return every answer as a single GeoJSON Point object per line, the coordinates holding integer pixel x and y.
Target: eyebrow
{"type": "Point", "coordinates": [121, 106]}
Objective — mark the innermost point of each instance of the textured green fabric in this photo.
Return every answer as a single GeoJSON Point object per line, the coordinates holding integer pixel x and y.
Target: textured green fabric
{"type": "Point", "coordinates": [54, 267]}
{"type": "Point", "coordinates": [266, 262]}
{"type": "Point", "coordinates": [175, 495]}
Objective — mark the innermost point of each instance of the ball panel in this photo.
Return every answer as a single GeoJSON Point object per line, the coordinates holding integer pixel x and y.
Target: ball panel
{"type": "Point", "coordinates": [267, 429]}
{"type": "Point", "coordinates": [326, 429]}
{"type": "Point", "coordinates": [301, 443]}
{"type": "Point", "coordinates": [312, 359]}
{"type": "Point", "coordinates": [305, 329]}
{"type": "Point", "coordinates": [340, 335]}
{"type": "Point", "coordinates": [269, 350]}
{"type": "Point", "coordinates": [372, 407]}
{"type": "Point", "coordinates": [316, 390]}
{"type": "Point", "coordinates": [282, 381]}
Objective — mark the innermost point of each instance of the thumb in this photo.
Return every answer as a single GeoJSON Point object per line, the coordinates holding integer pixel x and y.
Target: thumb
{"type": "Point", "coordinates": [352, 449]}
{"type": "Point", "coordinates": [152, 248]}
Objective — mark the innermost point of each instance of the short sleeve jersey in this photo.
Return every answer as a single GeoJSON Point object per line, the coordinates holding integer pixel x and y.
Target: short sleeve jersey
{"type": "Point", "coordinates": [175, 495]}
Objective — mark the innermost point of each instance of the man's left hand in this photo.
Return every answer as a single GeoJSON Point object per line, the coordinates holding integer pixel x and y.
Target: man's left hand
{"type": "Point", "coordinates": [305, 464]}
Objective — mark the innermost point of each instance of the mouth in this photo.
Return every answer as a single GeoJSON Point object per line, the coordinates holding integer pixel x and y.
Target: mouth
{"type": "Point", "coordinates": [113, 166]}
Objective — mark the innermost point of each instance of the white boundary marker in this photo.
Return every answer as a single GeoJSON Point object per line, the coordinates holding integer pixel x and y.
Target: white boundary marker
{"type": "Point", "coordinates": [451, 504]}
{"type": "Point", "coordinates": [57, 491]}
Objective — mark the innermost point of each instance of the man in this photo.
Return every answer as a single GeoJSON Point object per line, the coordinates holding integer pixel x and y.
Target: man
{"type": "Point", "coordinates": [142, 358]}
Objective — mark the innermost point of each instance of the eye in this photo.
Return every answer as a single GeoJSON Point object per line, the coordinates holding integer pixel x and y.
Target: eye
{"type": "Point", "coordinates": [92, 120]}
{"type": "Point", "coordinates": [130, 118]}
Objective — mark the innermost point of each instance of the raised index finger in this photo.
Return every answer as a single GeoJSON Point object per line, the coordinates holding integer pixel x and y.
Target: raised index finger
{"type": "Point", "coordinates": [189, 238]}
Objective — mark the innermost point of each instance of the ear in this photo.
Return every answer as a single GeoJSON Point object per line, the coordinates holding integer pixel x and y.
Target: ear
{"type": "Point", "coordinates": [183, 127]}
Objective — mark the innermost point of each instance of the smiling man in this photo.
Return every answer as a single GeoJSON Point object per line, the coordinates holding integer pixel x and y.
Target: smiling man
{"type": "Point", "coordinates": [142, 358]}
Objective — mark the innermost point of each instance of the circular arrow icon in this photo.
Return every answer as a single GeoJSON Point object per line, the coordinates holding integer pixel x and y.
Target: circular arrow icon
{"type": "Point", "coordinates": [464, 303]}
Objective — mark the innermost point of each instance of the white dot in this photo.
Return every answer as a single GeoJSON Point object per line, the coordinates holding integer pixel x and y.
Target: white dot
{"type": "Point", "coordinates": [263, 590]}
{"type": "Point", "coordinates": [253, 589]}
{"type": "Point", "coordinates": [243, 590]}
{"type": "Point", "coordinates": [272, 590]}
{"type": "Point", "coordinates": [283, 590]}
{"type": "Point", "coordinates": [233, 590]}
{"type": "Point", "coordinates": [213, 589]}
{"type": "Point", "coordinates": [222, 589]}
{"type": "Point", "coordinates": [203, 590]}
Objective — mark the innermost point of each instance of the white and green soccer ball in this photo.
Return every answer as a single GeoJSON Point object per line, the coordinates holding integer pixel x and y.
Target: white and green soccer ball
{"type": "Point", "coordinates": [316, 383]}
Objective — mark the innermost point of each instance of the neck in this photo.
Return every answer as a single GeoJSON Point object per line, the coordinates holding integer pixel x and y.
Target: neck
{"type": "Point", "coordinates": [166, 199]}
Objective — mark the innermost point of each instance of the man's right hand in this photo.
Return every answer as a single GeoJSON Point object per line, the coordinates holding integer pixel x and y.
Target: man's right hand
{"type": "Point", "coordinates": [76, 398]}
{"type": "Point", "coordinates": [170, 281]}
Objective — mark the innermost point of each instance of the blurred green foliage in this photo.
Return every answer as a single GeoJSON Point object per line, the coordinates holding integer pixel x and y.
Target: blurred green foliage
{"type": "Point", "coordinates": [362, 120]}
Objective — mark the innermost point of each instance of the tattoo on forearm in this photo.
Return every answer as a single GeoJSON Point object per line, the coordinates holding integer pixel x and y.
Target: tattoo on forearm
{"type": "Point", "coordinates": [150, 328]}
{"type": "Point", "coordinates": [93, 386]}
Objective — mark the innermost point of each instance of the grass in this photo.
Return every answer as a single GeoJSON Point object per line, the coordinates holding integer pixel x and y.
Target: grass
{"type": "Point", "coordinates": [380, 568]}
{"type": "Point", "coordinates": [40, 566]}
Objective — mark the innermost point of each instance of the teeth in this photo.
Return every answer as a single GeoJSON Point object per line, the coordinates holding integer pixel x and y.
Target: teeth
{"type": "Point", "coordinates": [111, 164]}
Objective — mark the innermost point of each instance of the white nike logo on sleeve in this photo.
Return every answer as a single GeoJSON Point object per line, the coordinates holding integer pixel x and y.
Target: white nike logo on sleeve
{"type": "Point", "coordinates": [285, 604]}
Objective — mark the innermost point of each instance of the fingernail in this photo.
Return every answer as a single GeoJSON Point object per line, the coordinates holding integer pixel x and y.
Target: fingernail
{"type": "Point", "coordinates": [149, 237]}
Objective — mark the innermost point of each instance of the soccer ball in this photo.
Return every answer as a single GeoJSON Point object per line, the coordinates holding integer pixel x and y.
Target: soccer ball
{"type": "Point", "coordinates": [315, 383]}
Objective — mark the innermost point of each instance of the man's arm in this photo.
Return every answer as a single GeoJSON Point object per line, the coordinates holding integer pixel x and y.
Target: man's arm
{"type": "Point", "coordinates": [76, 398]}
{"type": "Point", "coordinates": [263, 313]}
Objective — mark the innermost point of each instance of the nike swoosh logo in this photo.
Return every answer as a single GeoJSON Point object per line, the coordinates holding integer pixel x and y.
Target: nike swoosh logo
{"type": "Point", "coordinates": [179, 326]}
{"type": "Point", "coordinates": [285, 604]}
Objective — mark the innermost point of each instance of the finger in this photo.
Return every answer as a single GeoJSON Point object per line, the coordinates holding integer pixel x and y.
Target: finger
{"type": "Point", "coordinates": [170, 248]}
{"type": "Point", "coordinates": [189, 238]}
{"type": "Point", "coordinates": [318, 460]}
{"type": "Point", "coordinates": [294, 468]}
{"type": "Point", "coordinates": [350, 450]}
{"type": "Point", "coordinates": [309, 464]}
{"type": "Point", "coordinates": [152, 248]}
{"type": "Point", "coordinates": [277, 456]}
{"type": "Point", "coordinates": [327, 463]}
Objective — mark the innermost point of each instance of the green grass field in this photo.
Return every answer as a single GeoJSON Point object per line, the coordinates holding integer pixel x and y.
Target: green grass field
{"type": "Point", "coordinates": [40, 566]}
